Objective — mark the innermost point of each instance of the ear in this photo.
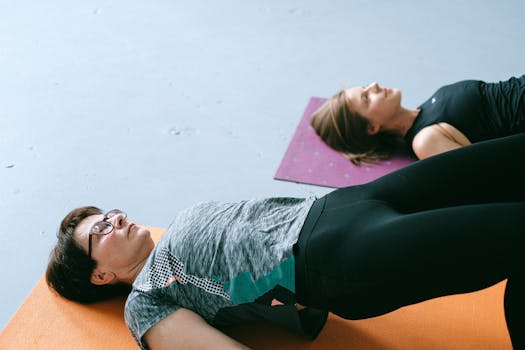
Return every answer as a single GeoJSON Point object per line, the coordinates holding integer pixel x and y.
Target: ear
{"type": "Point", "coordinates": [373, 129]}
{"type": "Point", "coordinates": [100, 278]}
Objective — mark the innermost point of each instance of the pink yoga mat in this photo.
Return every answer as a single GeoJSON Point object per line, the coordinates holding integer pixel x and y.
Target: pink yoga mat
{"type": "Point", "coordinates": [309, 160]}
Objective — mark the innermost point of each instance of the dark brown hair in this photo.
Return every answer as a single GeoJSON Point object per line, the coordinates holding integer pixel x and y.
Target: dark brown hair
{"type": "Point", "coordinates": [346, 131]}
{"type": "Point", "coordinates": [69, 269]}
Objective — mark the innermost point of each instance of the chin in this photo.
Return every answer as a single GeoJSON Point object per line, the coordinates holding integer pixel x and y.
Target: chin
{"type": "Point", "coordinates": [142, 230]}
{"type": "Point", "coordinates": [398, 95]}
{"type": "Point", "coordinates": [144, 235]}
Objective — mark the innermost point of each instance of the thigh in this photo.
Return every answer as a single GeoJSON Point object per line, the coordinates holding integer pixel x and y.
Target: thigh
{"type": "Point", "coordinates": [392, 259]}
{"type": "Point", "coordinates": [486, 172]}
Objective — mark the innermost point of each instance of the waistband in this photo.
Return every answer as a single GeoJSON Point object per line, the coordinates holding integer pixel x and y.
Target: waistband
{"type": "Point", "coordinates": [299, 249]}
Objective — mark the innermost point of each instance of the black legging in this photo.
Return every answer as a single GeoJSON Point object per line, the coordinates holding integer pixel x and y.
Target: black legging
{"type": "Point", "coordinates": [452, 223]}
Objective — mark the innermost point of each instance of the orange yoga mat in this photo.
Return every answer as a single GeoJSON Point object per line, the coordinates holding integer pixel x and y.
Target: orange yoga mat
{"type": "Point", "coordinates": [467, 321]}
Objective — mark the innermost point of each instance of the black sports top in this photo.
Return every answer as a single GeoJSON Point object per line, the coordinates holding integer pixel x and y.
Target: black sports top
{"type": "Point", "coordinates": [481, 111]}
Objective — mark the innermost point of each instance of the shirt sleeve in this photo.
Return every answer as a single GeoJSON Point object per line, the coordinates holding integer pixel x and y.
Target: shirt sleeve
{"type": "Point", "coordinates": [143, 311]}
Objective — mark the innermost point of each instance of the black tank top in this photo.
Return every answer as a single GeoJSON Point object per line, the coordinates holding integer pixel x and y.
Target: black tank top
{"type": "Point", "coordinates": [481, 111]}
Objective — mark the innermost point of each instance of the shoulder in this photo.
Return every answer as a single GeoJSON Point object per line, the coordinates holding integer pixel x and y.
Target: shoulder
{"type": "Point", "coordinates": [437, 138]}
{"type": "Point", "coordinates": [461, 84]}
{"type": "Point", "coordinates": [144, 308]}
{"type": "Point", "coordinates": [143, 311]}
{"type": "Point", "coordinates": [424, 140]}
{"type": "Point", "coordinates": [195, 215]}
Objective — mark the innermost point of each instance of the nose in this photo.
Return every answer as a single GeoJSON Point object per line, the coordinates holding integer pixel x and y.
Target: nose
{"type": "Point", "coordinates": [118, 220]}
{"type": "Point", "coordinates": [373, 86]}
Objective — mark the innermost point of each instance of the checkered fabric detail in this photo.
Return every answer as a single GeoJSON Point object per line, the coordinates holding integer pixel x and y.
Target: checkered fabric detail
{"type": "Point", "coordinates": [168, 269]}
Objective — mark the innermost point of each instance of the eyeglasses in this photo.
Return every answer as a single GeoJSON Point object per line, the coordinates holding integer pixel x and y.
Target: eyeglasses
{"type": "Point", "coordinates": [104, 227]}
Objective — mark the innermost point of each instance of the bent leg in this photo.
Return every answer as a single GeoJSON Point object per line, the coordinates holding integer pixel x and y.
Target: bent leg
{"type": "Point", "coordinates": [485, 172]}
{"type": "Point", "coordinates": [393, 260]}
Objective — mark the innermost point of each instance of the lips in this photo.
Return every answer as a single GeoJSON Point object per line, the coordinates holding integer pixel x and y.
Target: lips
{"type": "Point", "coordinates": [130, 227]}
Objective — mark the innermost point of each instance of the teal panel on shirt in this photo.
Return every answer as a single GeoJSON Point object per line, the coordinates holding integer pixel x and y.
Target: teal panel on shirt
{"type": "Point", "coordinates": [244, 289]}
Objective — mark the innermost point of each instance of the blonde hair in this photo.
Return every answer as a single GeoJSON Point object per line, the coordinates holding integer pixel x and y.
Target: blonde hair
{"type": "Point", "coordinates": [346, 131]}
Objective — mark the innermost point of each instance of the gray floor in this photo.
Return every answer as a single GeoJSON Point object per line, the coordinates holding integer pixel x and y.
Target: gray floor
{"type": "Point", "coordinates": [150, 106]}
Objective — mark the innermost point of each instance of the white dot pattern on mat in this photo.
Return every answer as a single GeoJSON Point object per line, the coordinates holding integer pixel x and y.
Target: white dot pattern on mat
{"type": "Point", "coordinates": [309, 160]}
{"type": "Point", "coordinates": [167, 269]}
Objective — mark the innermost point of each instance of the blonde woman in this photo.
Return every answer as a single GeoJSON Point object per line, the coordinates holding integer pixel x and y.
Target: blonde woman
{"type": "Point", "coordinates": [364, 123]}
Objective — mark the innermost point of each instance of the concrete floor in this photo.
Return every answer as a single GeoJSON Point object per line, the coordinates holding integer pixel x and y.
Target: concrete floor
{"type": "Point", "coordinates": [150, 106]}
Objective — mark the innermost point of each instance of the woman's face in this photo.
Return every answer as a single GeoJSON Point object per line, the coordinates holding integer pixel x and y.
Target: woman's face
{"type": "Point", "coordinates": [120, 248]}
{"type": "Point", "coordinates": [377, 104]}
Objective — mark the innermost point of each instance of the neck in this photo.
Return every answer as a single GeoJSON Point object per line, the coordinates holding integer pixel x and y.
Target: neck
{"type": "Point", "coordinates": [131, 274]}
{"type": "Point", "coordinates": [402, 121]}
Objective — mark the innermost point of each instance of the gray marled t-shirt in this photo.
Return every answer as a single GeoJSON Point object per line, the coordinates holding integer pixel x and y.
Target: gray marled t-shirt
{"type": "Point", "coordinates": [223, 261]}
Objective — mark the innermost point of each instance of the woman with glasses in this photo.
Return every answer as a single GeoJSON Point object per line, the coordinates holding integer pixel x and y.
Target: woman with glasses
{"type": "Point", "coordinates": [366, 123]}
{"type": "Point", "coordinates": [453, 223]}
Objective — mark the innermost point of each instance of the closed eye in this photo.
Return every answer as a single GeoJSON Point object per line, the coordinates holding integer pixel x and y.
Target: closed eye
{"type": "Point", "coordinates": [364, 97]}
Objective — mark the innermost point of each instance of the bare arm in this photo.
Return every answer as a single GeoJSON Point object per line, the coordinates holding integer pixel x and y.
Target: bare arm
{"type": "Point", "coordinates": [184, 329]}
{"type": "Point", "coordinates": [438, 138]}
